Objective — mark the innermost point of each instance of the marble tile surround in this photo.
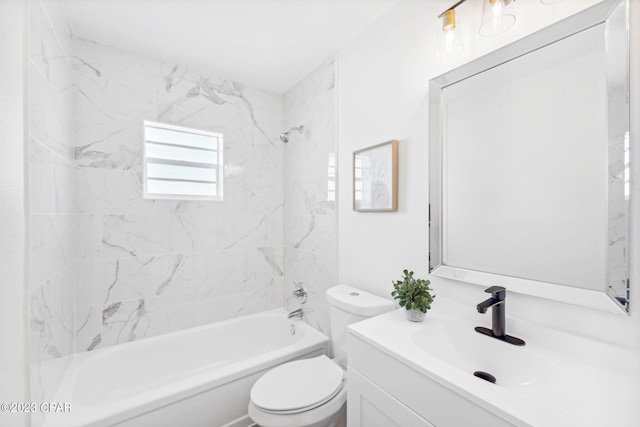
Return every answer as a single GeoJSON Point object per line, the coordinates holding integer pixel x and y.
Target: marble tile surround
{"type": "Point", "coordinates": [310, 221]}
{"type": "Point", "coordinates": [52, 220]}
{"type": "Point", "coordinates": [109, 267]}
{"type": "Point", "coordinates": [147, 267]}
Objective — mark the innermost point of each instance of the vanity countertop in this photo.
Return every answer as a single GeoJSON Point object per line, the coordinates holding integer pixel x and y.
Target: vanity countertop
{"type": "Point", "coordinates": [556, 379]}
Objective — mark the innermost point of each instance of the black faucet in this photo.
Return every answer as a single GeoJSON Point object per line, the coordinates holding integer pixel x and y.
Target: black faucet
{"type": "Point", "coordinates": [497, 303]}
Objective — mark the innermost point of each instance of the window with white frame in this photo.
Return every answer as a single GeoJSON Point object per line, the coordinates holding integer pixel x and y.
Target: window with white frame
{"type": "Point", "coordinates": [182, 163]}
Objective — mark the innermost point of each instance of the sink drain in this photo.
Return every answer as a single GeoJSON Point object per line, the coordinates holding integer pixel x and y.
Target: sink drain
{"type": "Point", "coordinates": [485, 376]}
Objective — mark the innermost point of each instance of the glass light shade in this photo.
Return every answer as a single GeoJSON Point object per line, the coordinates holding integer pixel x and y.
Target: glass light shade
{"type": "Point", "coordinates": [497, 17]}
{"type": "Point", "coordinates": [449, 41]}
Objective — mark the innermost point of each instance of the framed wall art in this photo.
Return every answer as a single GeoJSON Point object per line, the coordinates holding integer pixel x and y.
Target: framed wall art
{"type": "Point", "coordinates": [375, 178]}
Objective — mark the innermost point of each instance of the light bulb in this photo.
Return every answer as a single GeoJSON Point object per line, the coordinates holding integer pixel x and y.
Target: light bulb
{"type": "Point", "coordinates": [450, 43]}
{"type": "Point", "coordinates": [449, 39]}
{"type": "Point", "coordinates": [496, 8]}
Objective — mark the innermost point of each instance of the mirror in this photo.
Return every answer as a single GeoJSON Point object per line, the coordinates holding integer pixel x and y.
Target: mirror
{"type": "Point", "coordinates": [529, 164]}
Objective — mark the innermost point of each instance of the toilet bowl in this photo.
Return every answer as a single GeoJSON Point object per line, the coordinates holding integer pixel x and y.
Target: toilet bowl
{"type": "Point", "coordinates": [313, 392]}
{"type": "Point", "coordinates": [302, 393]}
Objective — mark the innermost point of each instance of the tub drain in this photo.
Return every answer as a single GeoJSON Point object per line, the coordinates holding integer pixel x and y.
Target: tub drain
{"type": "Point", "coordinates": [485, 376]}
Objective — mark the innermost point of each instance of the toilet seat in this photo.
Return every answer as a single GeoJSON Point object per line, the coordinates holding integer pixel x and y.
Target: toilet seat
{"type": "Point", "coordinates": [298, 386]}
{"type": "Point", "coordinates": [314, 417]}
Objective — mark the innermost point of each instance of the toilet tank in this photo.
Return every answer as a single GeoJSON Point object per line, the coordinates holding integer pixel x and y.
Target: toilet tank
{"type": "Point", "coordinates": [348, 305]}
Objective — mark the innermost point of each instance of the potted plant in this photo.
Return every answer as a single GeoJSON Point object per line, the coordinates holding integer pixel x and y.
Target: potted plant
{"type": "Point", "coordinates": [414, 295]}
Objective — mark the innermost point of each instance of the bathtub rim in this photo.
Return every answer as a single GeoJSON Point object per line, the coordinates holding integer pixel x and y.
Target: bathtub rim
{"type": "Point", "coordinates": [115, 412]}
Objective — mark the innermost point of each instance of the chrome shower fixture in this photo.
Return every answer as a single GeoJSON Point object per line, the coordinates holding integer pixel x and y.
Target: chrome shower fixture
{"type": "Point", "coordinates": [284, 137]}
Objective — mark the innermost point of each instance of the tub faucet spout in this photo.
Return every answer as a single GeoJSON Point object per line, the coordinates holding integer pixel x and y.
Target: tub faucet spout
{"type": "Point", "coordinates": [295, 313]}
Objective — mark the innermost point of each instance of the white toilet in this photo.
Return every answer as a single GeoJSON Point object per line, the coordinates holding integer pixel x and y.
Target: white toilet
{"type": "Point", "coordinates": [313, 392]}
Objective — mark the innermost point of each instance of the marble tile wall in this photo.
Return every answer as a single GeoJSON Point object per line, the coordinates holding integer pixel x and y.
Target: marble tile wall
{"type": "Point", "coordinates": [52, 221]}
{"type": "Point", "coordinates": [310, 221]}
{"type": "Point", "coordinates": [147, 267]}
{"type": "Point", "coordinates": [109, 267]}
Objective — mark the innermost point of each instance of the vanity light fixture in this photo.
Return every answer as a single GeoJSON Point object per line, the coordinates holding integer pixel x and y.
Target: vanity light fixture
{"type": "Point", "coordinates": [449, 41]}
{"type": "Point", "coordinates": [497, 17]}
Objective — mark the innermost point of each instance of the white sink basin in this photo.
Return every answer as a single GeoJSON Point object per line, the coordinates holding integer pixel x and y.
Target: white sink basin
{"type": "Point", "coordinates": [555, 379]}
{"type": "Point", "coordinates": [514, 367]}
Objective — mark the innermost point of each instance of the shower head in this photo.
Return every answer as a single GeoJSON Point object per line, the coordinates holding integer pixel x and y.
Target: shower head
{"type": "Point", "coordinates": [284, 137]}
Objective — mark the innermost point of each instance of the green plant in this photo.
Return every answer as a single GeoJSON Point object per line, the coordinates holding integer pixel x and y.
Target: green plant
{"type": "Point", "coordinates": [412, 293]}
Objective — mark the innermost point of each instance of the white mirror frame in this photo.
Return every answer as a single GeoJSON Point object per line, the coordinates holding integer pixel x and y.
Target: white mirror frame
{"type": "Point", "coordinates": [609, 11]}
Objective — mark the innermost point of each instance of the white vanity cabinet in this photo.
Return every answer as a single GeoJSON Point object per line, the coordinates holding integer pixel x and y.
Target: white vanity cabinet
{"type": "Point", "coordinates": [384, 392]}
{"type": "Point", "coordinates": [371, 406]}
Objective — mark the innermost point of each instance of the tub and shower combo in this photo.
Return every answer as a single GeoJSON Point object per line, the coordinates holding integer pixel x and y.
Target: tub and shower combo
{"type": "Point", "coordinates": [162, 381]}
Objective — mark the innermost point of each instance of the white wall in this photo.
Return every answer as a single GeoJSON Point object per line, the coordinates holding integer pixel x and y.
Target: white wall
{"type": "Point", "coordinates": [13, 357]}
{"type": "Point", "coordinates": [382, 95]}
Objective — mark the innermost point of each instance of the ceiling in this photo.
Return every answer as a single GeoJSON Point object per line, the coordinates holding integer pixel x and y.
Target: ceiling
{"type": "Point", "coordinates": [267, 44]}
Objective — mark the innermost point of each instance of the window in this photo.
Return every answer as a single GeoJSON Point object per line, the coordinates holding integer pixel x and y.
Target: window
{"type": "Point", "coordinates": [182, 163]}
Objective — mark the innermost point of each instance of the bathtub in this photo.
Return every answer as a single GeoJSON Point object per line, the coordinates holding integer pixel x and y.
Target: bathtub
{"type": "Point", "coordinates": [191, 378]}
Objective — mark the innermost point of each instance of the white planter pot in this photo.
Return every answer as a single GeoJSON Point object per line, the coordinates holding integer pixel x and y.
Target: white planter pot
{"type": "Point", "coordinates": [415, 315]}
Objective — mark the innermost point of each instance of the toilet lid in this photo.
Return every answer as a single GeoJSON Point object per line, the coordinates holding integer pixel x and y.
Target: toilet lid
{"type": "Point", "coordinates": [298, 385]}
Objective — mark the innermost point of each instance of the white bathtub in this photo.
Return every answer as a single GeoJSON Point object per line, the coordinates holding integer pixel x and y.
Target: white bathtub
{"type": "Point", "coordinates": [196, 377]}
